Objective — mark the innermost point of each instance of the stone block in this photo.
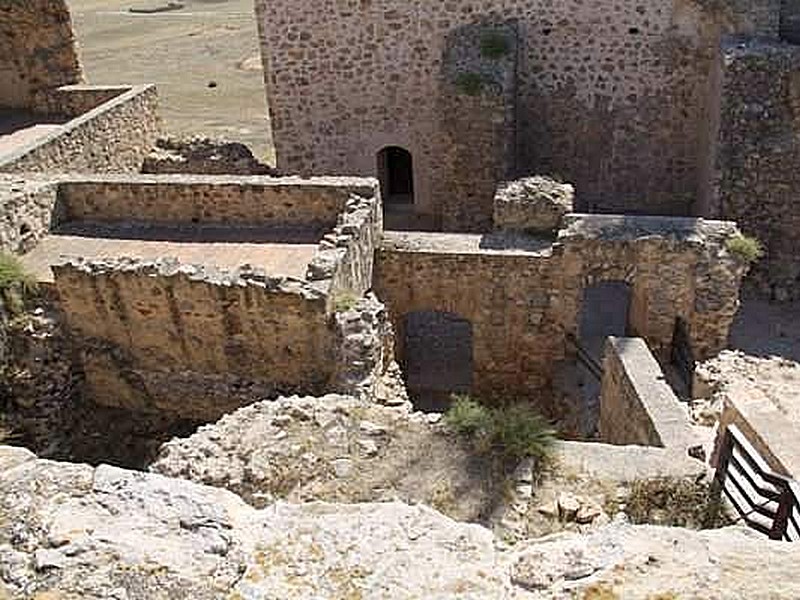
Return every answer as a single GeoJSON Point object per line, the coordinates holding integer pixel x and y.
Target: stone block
{"type": "Point", "coordinates": [535, 204]}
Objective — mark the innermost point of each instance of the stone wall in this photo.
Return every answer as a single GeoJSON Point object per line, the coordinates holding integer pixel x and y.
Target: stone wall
{"type": "Point", "coordinates": [524, 296]}
{"type": "Point", "coordinates": [759, 150]}
{"type": "Point", "coordinates": [164, 337]}
{"type": "Point", "coordinates": [37, 50]}
{"type": "Point", "coordinates": [75, 100]}
{"type": "Point", "coordinates": [610, 95]}
{"type": "Point", "coordinates": [637, 405]}
{"type": "Point", "coordinates": [26, 206]}
{"type": "Point", "coordinates": [240, 201]}
{"type": "Point", "coordinates": [113, 137]}
{"type": "Point", "coordinates": [198, 342]}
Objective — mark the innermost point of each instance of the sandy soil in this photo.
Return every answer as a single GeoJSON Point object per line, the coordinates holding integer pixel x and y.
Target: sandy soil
{"type": "Point", "coordinates": [182, 52]}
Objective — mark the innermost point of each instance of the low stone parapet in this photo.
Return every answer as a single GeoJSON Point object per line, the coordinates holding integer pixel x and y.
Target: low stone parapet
{"type": "Point", "coordinates": [637, 405]}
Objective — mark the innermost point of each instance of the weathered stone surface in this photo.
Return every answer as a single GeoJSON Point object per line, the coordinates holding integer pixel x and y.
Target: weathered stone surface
{"type": "Point", "coordinates": [27, 207]}
{"type": "Point", "coordinates": [74, 531]}
{"type": "Point", "coordinates": [38, 50]}
{"type": "Point", "coordinates": [535, 204]}
{"type": "Point", "coordinates": [641, 562]}
{"type": "Point", "coordinates": [107, 533]}
{"type": "Point", "coordinates": [637, 405]}
{"type": "Point", "coordinates": [758, 153]}
{"type": "Point", "coordinates": [336, 449]}
{"type": "Point", "coordinates": [203, 155]}
{"type": "Point", "coordinates": [759, 395]}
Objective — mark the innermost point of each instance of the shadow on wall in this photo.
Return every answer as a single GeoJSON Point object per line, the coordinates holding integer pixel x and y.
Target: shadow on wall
{"type": "Point", "coordinates": [437, 358]}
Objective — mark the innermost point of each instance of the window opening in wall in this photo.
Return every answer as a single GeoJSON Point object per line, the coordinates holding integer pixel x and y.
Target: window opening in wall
{"type": "Point", "coordinates": [396, 174]}
{"type": "Point", "coordinates": [436, 357]}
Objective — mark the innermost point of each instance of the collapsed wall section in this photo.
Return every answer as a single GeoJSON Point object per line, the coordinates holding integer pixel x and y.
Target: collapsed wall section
{"type": "Point", "coordinates": [37, 50]}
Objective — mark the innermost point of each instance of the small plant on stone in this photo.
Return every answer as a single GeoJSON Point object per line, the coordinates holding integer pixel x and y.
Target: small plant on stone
{"type": "Point", "coordinates": [675, 502]}
{"type": "Point", "coordinates": [746, 248]}
{"type": "Point", "coordinates": [470, 83]}
{"type": "Point", "coordinates": [494, 45]}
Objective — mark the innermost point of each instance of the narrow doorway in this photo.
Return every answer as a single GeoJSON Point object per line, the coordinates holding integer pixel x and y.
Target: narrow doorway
{"type": "Point", "coordinates": [396, 174]}
{"type": "Point", "coordinates": [604, 312]}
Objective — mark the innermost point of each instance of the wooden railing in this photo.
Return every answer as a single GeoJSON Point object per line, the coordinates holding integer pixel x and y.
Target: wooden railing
{"type": "Point", "coordinates": [765, 500]}
{"type": "Point", "coordinates": [594, 366]}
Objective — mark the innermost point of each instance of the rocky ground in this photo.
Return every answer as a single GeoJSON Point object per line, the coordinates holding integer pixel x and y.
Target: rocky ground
{"type": "Point", "coordinates": [74, 531]}
{"type": "Point", "coordinates": [339, 449]}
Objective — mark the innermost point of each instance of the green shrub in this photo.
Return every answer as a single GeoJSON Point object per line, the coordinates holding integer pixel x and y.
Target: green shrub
{"type": "Point", "coordinates": [467, 417]}
{"type": "Point", "coordinates": [15, 283]}
{"type": "Point", "coordinates": [470, 83]}
{"type": "Point", "coordinates": [521, 432]}
{"type": "Point", "coordinates": [514, 432]}
{"type": "Point", "coordinates": [746, 248]}
{"type": "Point", "coordinates": [494, 45]}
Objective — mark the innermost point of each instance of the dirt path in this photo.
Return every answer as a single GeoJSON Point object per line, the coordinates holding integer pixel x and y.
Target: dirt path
{"type": "Point", "coordinates": [183, 52]}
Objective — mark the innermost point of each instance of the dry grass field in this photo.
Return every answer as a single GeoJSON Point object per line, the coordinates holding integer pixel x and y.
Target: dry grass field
{"type": "Point", "coordinates": [182, 52]}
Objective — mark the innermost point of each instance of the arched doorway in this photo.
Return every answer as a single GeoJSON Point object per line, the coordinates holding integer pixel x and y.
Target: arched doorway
{"type": "Point", "coordinates": [436, 357]}
{"type": "Point", "coordinates": [396, 174]}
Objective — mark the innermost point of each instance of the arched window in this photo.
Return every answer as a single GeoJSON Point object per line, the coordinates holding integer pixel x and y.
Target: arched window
{"type": "Point", "coordinates": [396, 174]}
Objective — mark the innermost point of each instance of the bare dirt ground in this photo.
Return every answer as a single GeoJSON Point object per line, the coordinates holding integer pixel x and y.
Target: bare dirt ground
{"type": "Point", "coordinates": [182, 52]}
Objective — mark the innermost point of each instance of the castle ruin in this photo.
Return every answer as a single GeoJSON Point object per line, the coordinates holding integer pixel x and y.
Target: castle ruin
{"type": "Point", "coordinates": [531, 203]}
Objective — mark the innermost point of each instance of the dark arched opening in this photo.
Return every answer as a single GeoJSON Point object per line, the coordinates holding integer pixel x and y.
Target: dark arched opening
{"type": "Point", "coordinates": [604, 312]}
{"type": "Point", "coordinates": [436, 357]}
{"type": "Point", "coordinates": [396, 174]}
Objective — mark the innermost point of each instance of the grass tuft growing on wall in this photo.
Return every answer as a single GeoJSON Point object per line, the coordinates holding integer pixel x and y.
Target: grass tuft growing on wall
{"type": "Point", "coordinates": [13, 274]}
{"type": "Point", "coordinates": [747, 249]}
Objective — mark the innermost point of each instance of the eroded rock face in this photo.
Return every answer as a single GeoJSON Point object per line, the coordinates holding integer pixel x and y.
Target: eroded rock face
{"type": "Point", "coordinates": [75, 531]}
{"type": "Point", "coordinates": [535, 204]}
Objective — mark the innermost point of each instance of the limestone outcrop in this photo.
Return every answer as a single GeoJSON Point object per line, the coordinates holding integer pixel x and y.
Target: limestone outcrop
{"type": "Point", "coordinates": [73, 531]}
